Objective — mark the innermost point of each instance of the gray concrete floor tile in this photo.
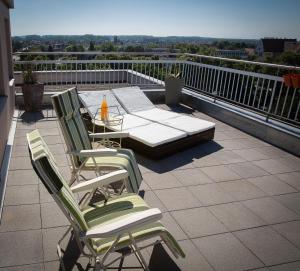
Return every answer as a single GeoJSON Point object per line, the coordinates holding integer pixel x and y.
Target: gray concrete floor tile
{"type": "Point", "coordinates": [18, 163]}
{"type": "Point", "coordinates": [290, 230]}
{"type": "Point", "coordinates": [236, 216]}
{"type": "Point", "coordinates": [191, 177]}
{"type": "Point", "coordinates": [52, 216]}
{"type": "Point", "coordinates": [232, 144]}
{"type": "Point", "coordinates": [272, 152]}
{"type": "Point", "coordinates": [206, 161]}
{"type": "Point", "coordinates": [291, 178]}
{"type": "Point", "coordinates": [21, 194]}
{"type": "Point", "coordinates": [153, 201]}
{"type": "Point", "coordinates": [242, 189]}
{"type": "Point", "coordinates": [290, 161]}
{"type": "Point", "coordinates": [220, 173]}
{"type": "Point", "coordinates": [57, 149]}
{"type": "Point", "coordinates": [271, 185]}
{"type": "Point", "coordinates": [177, 198]}
{"type": "Point", "coordinates": [21, 217]}
{"type": "Point", "coordinates": [20, 141]}
{"type": "Point", "coordinates": [269, 246]}
{"type": "Point", "coordinates": [198, 222]}
{"type": "Point", "coordinates": [273, 166]}
{"type": "Point", "coordinates": [53, 139]}
{"type": "Point", "coordinates": [44, 194]}
{"type": "Point", "coordinates": [47, 124]}
{"type": "Point", "coordinates": [251, 154]}
{"type": "Point", "coordinates": [27, 267]}
{"type": "Point", "coordinates": [247, 170]}
{"type": "Point", "coordinates": [172, 226]}
{"type": "Point", "coordinates": [79, 264]}
{"type": "Point", "coordinates": [21, 247]}
{"type": "Point", "coordinates": [226, 253]}
{"type": "Point", "coordinates": [270, 210]}
{"type": "Point", "coordinates": [193, 261]}
{"type": "Point", "coordinates": [161, 181]}
{"type": "Point", "coordinates": [228, 157]}
{"type": "Point", "coordinates": [291, 201]}
{"type": "Point", "coordinates": [49, 132]}
{"type": "Point", "coordinates": [61, 160]}
{"type": "Point", "coordinates": [22, 177]}
{"type": "Point", "coordinates": [25, 126]}
{"type": "Point", "coordinates": [51, 237]}
{"type": "Point", "coordinates": [210, 194]}
{"type": "Point", "coordinates": [20, 151]}
{"type": "Point", "coordinates": [286, 267]}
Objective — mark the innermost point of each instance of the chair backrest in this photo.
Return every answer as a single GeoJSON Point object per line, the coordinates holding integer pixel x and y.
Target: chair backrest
{"type": "Point", "coordinates": [67, 107]}
{"type": "Point", "coordinates": [44, 165]}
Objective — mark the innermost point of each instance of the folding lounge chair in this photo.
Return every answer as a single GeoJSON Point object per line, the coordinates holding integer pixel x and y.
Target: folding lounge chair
{"type": "Point", "coordinates": [78, 141]}
{"type": "Point", "coordinates": [105, 227]}
{"type": "Point", "coordinates": [98, 183]}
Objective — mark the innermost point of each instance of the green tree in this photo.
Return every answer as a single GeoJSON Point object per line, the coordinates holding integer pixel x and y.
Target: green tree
{"type": "Point", "coordinates": [92, 46]}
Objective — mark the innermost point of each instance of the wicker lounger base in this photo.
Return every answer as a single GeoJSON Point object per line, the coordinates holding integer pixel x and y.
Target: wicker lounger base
{"type": "Point", "coordinates": [160, 151]}
{"type": "Point", "coordinates": [166, 149]}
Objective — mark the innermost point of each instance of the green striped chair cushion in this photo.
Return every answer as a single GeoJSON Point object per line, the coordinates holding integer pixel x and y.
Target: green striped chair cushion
{"type": "Point", "coordinates": [67, 107]}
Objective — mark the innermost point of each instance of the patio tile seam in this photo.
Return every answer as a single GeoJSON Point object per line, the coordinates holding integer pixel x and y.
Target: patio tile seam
{"type": "Point", "coordinates": [192, 240]}
{"type": "Point", "coordinates": [34, 203]}
{"type": "Point", "coordinates": [216, 204]}
{"type": "Point", "coordinates": [22, 265]}
{"type": "Point", "coordinates": [275, 265]}
{"type": "Point", "coordinates": [236, 236]}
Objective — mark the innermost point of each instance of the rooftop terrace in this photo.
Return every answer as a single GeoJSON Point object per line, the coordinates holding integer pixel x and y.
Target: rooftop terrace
{"type": "Point", "coordinates": [233, 204]}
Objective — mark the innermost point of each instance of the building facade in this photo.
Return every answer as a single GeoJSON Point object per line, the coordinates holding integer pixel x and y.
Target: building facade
{"type": "Point", "coordinates": [7, 92]}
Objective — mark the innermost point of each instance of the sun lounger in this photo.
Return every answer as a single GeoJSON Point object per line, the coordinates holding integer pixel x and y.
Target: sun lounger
{"type": "Point", "coordinates": [152, 131]}
{"type": "Point", "coordinates": [135, 102]}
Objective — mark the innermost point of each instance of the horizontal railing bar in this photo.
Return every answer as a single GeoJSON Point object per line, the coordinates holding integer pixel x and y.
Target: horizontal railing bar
{"type": "Point", "coordinates": [100, 53]}
{"type": "Point", "coordinates": [39, 62]}
{"type": "Point", "coordinates": [279, 66]}
{"type": "Point", "coordinates": [255, 74]}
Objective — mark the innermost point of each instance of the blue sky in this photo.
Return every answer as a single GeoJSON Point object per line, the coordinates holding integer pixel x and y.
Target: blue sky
{"type": "Point", "coordinates": [210, 18]}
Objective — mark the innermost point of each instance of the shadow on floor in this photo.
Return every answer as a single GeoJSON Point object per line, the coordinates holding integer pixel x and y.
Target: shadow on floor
{"type": "Point", "coordinates": [179, 159]}
{"type": "Point", "coordinates": [180, 108]}
{"type": "Point", "coordinates": [161, 261]}
{"type": "Point", "coordinates": [30, 117]}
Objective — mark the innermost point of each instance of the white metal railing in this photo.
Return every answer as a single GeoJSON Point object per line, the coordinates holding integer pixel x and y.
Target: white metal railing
{"type": "Point", "coordinates": [264, 93]}
{"type": "Point", "coordinates": [259, 92]}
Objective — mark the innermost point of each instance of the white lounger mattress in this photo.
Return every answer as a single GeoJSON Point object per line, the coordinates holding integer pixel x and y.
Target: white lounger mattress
{"type": "Point", "coordinates": [145, 131]}
{"type": "Point", "coordinates": [155, 134]}
{"type": "Point", "coordinates": [133, 100]}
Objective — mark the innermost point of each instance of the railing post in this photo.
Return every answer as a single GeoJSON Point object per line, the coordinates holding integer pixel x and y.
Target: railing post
{"type": "Point", "coordinates": [271, 101]}
{"type": "Point", "coordinates": [217, 86]}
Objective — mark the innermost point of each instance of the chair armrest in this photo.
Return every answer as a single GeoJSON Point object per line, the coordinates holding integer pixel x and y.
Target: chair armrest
{"type": "Point", "coordinates": [109, 135]}
{"type": "Point", "coordinates": [125, 225]}
{"type": "Point", "coordinates": [94, 153]}
{"type": "Point", "coordinates": [100, 181]}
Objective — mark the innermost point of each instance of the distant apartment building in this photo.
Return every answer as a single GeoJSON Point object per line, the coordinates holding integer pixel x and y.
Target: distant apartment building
{"type": "Point", "coordinates": [273, 47]}
{"type": "Point", "coordinates": [58, 47]}
{"type": "Point", "coordinates": [241, 54]}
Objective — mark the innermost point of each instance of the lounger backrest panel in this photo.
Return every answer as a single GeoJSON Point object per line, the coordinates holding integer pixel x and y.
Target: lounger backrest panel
{"type": "Point", "coordinates": [92, 102]}
{"type": "Point", "coordinates": [73, 128]}
{"type": "Point", "coordinates": [46, 169]}
{"type": "Point", "coordinates": [133, 99]}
